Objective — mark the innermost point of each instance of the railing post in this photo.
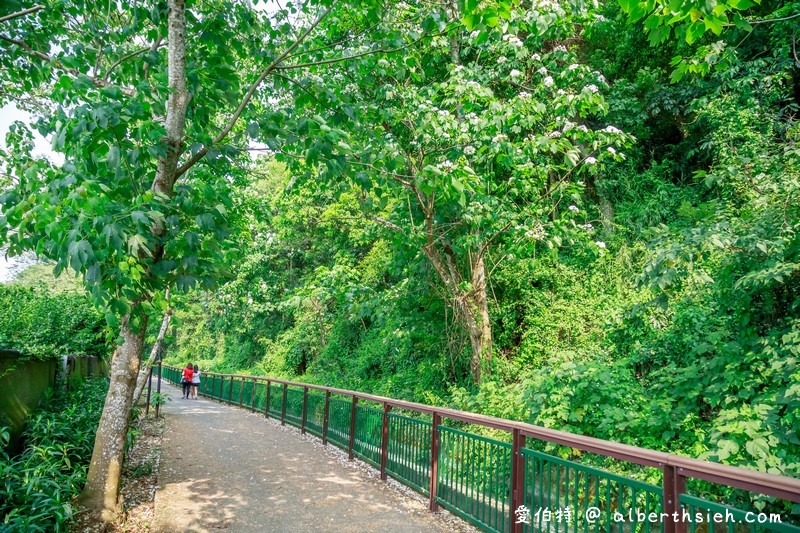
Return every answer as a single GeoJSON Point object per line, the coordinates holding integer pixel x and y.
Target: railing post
{"type": "Point", "coordinates": [158, 387]}
{"type": "Point", "coordinates": [434, 505]}
{"type": "Point", "coordinates": [266, 404]}
{"type": "Point", "coordinates": [149, 390]}
{"type": "Point", "coordinates": [325, 418]}
{"type": "Point", "coordinates": [241, 393]}
{"type": "Point", "coordinates": [352, 428]}
{"type": "Point", "coordinates": [674, 486]}
{"type": "Point", "coordinates": [517, 478]}
{"type": "Point", "coordinates": [303, 416]}
{"type": "Point", "coordinates": [283, 406]}
{"type": "Point", "coordinates": [385, 439]}
{"type": "Point", "coordinates": [230, 391]}
{"type": "Point", "coordinates": [253, 396]}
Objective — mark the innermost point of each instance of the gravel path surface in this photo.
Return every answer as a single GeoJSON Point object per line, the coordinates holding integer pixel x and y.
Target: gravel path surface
{"type": "Point", "coordinates": [226, 468]}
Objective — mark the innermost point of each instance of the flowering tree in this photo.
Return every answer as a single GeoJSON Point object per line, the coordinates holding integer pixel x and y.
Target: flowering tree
{"type": "Point", "coordinates": [148, 102]}
{"type": "Point", "coordinates": [471, 140]}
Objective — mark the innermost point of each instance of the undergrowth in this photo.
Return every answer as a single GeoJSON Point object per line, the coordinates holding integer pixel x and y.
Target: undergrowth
{"type": "Point", "coordinates": [38, 485]}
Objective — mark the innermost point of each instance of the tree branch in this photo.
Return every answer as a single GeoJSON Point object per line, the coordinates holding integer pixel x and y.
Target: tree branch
{"type": "Point", "coordinates": [22, 13]}
{"type": "Point", "coordinates": [485, 245]}
{"type": "Point", "coordinates": [98, 82]}
{"type": "Point", "coordinates": [355, 56]}
{"type": "Point", "coordinates": [387, 223]}
{"type": "Point", "coordinates": [249, 95]}
{"type": "Point", "coordinates": [124, 58]}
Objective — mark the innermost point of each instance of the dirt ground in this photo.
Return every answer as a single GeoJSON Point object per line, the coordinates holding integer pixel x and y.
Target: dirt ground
{"type": "Point", "coordinates": [139, 479]}
{"type": "Point", "coordinates": [226, 468]}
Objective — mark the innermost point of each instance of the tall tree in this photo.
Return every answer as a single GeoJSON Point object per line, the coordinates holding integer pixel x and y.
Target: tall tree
{"type": "Point", "coordinates": [148, 102]}
{"type": "Point", "coordinates": [477, 137]}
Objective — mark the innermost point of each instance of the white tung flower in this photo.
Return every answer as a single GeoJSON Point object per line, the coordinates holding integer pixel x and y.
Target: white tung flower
{"type": "Point", "coordinates": [445, 164]}
{"type": "Point", "coordinates": [555, 134]}
{"type": "Point", "coordinates": [574, 208]}
{"type": "Point", "coordinates": [542, 71]}
{"type": "Point", "coordinates": [600, 244]}
{"type": "Point", "coordinates": [502, 59]}
{"type": "Point", "coordinates": [591, 88]}
{"type": "Point", "coordinates": [515, 73]}
{"type": "Point", "coordinates": [469, 150]}
{"type": "Point", "coordinates": [513, 40]}
{"type": "Point", "coordinates": [612, 129]}
{"type": "Point", "coordinates": [500, 137]}
{"type": "Point", "coordinates": [573, 66]}
{"type": "Point", "coordinates": [560, 48]}
{"type": "Point", "coordinates": [524, 94]}
{"type": "Point", "coordinates": [591, 160]}
{"type": "Point", "coordinates": [548, 81]}
{"type": "Point", "coordinates": [536, 57]}
{"type": "Point", "coordinates": [383, 63]}
{"type": "Point", "coordinates": [611, 150]}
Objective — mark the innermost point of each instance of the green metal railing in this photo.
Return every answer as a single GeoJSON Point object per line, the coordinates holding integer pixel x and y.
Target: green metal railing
{"type": "Point", "coordinates": [474, 478]}
{"type": "Point", "coordinates": [508, 486]}
{"type": "Point", "coordinates": [558, 484]}
{"type": "Point", "coordinates": [409, 454]}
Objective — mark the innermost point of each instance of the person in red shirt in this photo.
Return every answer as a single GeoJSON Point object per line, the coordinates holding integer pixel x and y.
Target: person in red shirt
{"type": "Point", "coordinates": [186, 380]}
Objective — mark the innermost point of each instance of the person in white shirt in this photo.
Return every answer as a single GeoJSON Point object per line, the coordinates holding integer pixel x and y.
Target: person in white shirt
{"type": "Point", "coordinates": [195, 383]}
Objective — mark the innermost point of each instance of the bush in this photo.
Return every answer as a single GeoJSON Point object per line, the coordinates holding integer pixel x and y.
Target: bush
{"type": "Point", "coordinates": [39, 484]}
{"type": "Point", "coordinates": [45, 325]}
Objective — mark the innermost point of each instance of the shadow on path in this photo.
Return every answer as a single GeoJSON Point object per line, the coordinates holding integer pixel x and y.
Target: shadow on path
{"type": "Point", "coordinates": [225, 468]}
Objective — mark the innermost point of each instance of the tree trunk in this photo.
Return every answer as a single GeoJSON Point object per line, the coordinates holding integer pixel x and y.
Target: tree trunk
{"type": "Point", "coordinates": [607, 216]}
{"type": "Point", "coordinates": [480, 334]}
{"type": "Point", "coordinates": [471, 307]}
{"type": "Point", "coordinates": [141, 381]}
{"type": "Point", "coordinates": [101, 492]}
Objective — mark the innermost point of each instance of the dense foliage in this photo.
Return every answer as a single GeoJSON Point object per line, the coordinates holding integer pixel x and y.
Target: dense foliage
{"type": "Point", "coordinates": [38, 484]}
{"type": "Point", "coordinates": [580, 214]}
{"type": "Point", "coordinates": [649, 299]}
{"type": "Point", "coordinates": [42, 324]}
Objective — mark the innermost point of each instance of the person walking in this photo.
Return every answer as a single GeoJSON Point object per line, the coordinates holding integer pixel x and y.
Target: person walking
{"type": "Point", "coordinates": [186, 381]}
{"type": "Point", "coordinates": [195, 382]}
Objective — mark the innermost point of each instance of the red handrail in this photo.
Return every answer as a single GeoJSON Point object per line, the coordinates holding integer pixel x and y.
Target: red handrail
{"type": "Point", "coordinates": [676, 468]}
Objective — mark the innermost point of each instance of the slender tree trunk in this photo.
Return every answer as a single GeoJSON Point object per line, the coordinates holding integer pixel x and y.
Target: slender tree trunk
{"type": "Point", "coordinates": [607, 216]}
{"type": "Point", "coordinates": [101, 492]}
{"type": "Point", "coordinates": [141, 381]}
{"type": "Point", "coordinates": [471, 307]}
{"type": "Point", "coordinates": [481, 336]}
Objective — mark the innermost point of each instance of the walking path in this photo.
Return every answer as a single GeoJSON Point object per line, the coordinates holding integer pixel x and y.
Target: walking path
{"type": "Point", "coordinates": [226, 468]}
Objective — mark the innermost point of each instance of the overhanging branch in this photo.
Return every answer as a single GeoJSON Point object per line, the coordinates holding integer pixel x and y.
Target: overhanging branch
{"type": "Point", "coordinates": [22, 13]}
{"type": "Point", "coordinates": [249, 95]}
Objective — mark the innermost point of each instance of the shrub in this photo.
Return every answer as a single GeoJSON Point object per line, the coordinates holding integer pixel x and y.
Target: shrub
{"type": "Point", "coordinates": [39, 484]}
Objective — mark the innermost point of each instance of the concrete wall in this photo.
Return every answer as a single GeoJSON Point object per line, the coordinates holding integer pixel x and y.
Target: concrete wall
{"type": "Point", "coordinates": [24, 383]}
